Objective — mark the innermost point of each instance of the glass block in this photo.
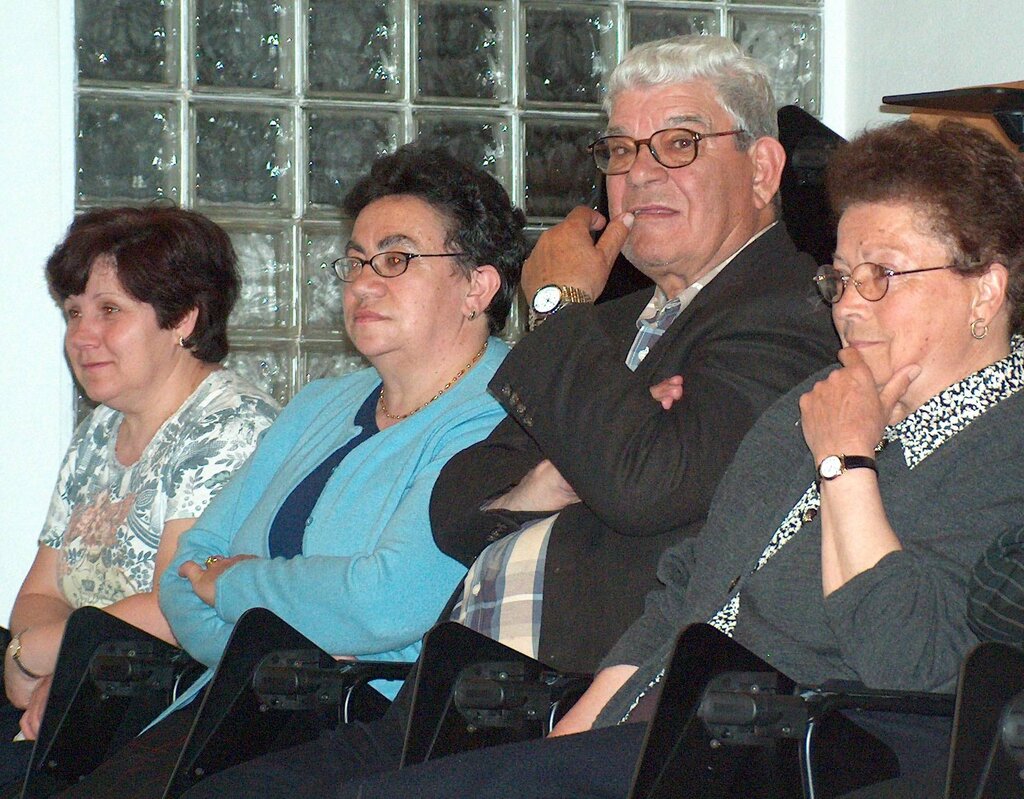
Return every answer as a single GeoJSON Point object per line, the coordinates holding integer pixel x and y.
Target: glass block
{"type": "Point", "coordinates": [127, 41]}
{"type": "Point", "coordinates": [266, 365]}
{"type": "Point", "coordinates": [462, 50]}
{"type": "Point", "coordinates": [322, 311]}
{"type": "Point", "coordinates": [811, 3]}
{"type": "Point", "coordinates": [265, 263]}
{"type": "Point", "coordinates": [648, 24]}
{"type": "Point", "coordinates": [243, 44]}
{"type": "Point", "coordinates": [480, 141]}
{"type": "Point", "coordinates": [515, 325]}
{"type": "Point", "coordinates": [355, 47]}
{"type": "Point", "coordinates": [341, 148]}
{"type": "Point", "coordinates": [243, 156]}
{"type": "Point", "coordinates": [789, 45]}
{"type": "Point", "coordinates": [329, 361]}
{"type": "Point", "coordinates": [560, 173]}
{"type": "Point", "coordinates": [568, 51]}
{"type": "Point", "coordinates": [126, 150]}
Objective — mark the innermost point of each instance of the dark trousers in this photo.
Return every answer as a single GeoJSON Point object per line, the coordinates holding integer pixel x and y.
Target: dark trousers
{"type": "Point", "coordinates": [142, 767]}
{"type": "Point", "coordinates": [592, 765]}
{"type": "Point", "coordinates": [14, 757]}
{"type": "Point", "coordinates": [360, 761]}
{"type": "Point", "coordinates": [919, 786]}
{"type": "Point", "coordinates": [314, 769]}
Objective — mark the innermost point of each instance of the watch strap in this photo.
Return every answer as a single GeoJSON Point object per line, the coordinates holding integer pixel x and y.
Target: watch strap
{"type": "Point", "coordinates": [846, 462]}
{"type": "Point", "coordinates": [569, 295]}
{"type": "Point", "coordinates": [15, 647]}
{"type": "Point", "coordinates": [574, 295]}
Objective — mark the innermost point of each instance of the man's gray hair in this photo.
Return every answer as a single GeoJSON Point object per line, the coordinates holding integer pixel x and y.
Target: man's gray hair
{"type": "Point", "coordinates": [741, 82]}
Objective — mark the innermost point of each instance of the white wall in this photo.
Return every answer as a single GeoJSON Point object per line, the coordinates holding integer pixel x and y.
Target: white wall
{"type": "Point", "coordinates": [36, 185]}
{"type": "Point", "coordinates": [871, 48]}
{"type": "Point", "coordinates": [904, 46]}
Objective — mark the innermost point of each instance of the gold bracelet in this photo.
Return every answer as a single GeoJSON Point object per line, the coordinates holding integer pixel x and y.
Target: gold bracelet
{"type": "Point", "coordinates": [15, 646]}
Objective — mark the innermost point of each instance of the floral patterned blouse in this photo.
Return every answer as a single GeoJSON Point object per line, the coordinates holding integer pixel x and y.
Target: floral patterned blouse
{"type": "Point", "coordinates": [106, 519]}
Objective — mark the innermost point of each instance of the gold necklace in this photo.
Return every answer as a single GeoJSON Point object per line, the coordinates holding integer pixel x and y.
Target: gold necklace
{"type": "Point", "coordinates": [398, 417]}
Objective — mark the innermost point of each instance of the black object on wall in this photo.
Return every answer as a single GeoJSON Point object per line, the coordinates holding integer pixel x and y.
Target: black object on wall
{"type": "Point", "coordinates": [805, 209]}
{"type": "Point", "coordinates": [1005, 103]}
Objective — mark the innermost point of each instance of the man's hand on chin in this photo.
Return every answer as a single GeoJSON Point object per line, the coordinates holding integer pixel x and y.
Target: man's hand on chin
{"type": "Point", "coordinates": [566, 255]}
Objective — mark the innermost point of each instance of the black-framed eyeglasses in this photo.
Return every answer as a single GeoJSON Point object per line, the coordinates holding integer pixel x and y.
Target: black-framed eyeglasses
{"type": "Point", "coordinates": [391, 263]}
{"type": "Point", "coordinates": [672, 148]}
{"type": "Point", "coordinates": [871, 280]}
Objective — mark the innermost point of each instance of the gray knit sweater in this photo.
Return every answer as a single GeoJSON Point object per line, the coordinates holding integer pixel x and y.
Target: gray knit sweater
{"type": "Point", "coordinates": [899, 625]}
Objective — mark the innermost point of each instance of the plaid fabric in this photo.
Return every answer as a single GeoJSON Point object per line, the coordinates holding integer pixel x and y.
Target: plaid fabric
{"type": "Point", "coordinates": [661, 311]}
{"type": "Point", "coordinates": [652, 329]}
{"type": "Point", "coordinates": [995, 601]}
{"type": "Point", "coordinates": [503, 592]}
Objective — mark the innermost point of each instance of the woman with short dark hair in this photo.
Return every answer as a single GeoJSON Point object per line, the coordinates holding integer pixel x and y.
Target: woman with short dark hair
{"type": "Point", "coordinates": [328, 525]}
{"type": "Point", "coordinates": [170, 258]}
{"type": "Point", "coordinates": [146, 293]}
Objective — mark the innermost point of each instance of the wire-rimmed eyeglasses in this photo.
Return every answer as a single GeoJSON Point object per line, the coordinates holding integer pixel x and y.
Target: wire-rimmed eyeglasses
{"type": "Point", "coordinates": [871, 280]}
{"type": "Point", "coordinates": [671, 147]}
{"type": "Point", "coordinates": [390, 263]}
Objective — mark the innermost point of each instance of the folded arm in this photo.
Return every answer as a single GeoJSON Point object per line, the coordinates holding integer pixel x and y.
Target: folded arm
{"type": "Point", "coordinates": [38, 618]}
{"type": "Point", "coordinates": [641, 469]}
{"type": "Point", "coordinates": [346, 603]}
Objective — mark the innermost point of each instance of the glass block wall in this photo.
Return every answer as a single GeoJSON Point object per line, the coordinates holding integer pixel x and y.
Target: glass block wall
{"type": "Point", "coordinates": [262, 114]}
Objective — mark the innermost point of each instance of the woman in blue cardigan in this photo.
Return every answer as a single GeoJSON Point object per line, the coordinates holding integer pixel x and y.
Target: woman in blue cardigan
{"type": "Point", "coordinates": [327, 524]}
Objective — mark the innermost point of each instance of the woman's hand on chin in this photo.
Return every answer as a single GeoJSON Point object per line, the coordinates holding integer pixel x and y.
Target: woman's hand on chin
{"type": "Point", "coordinates": [204, 577]}
{"type": "Point", "coordinates": [847, 411]}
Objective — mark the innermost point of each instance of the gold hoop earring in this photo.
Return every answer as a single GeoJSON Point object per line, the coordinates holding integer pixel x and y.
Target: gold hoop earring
{"type": "Point", "coordinates": [472, 315]}
{"type": "Point", "coordinates": [975, 332]}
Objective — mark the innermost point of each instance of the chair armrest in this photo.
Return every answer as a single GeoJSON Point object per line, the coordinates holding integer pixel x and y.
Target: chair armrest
{"type": "Point", "coordinates": [306, 679]}
{"type": "Point", "coordinates": [839, 695]}
{"type": "Point", "coordinates": [131, 667]}
{"type": "Point", "coordinates": [500, 694]}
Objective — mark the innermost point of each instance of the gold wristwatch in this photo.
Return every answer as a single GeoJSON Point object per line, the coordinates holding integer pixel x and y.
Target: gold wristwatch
{"type": "Point", "coordinates": [551, 298]}
{"type": "Point", "coordinates": [834, 465]}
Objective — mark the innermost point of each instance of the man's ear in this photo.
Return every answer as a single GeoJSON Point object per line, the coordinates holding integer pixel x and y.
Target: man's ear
{"type": "Point", "coordinates": [484, 282]}
{"type": "Point", "coordinates": [768, 158]}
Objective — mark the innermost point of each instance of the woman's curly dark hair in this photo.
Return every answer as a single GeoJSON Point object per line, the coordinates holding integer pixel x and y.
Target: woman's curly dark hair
{"type": "Point", "coordinates": [170, 258]}
{"type": "Point", "coordinates": [968, 187]}
{"type": "Point", "coordinates": [483, 224]}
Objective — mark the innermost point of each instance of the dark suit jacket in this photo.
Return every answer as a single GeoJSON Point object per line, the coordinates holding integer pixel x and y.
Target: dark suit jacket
{"type": "Point", "coordinates": [645, 476]}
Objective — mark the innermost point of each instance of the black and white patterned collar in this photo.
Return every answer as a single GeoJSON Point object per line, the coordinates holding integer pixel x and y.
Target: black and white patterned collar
{"type": "Point", "coordinates": [950, 411]}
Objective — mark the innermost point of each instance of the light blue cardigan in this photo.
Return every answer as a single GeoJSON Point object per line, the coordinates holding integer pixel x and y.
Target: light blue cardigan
{"type": "Point", "coordinates": [370, 580]}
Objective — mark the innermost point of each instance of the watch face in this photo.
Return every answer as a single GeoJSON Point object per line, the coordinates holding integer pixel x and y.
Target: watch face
{"type": "Point", "coordinates": [546, 299]}
{"type": "Point", "coordinates": [830, 468]}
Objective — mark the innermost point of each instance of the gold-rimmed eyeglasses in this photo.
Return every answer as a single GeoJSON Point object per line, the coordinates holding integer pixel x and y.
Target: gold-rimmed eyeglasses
{"type": "Point", "coordinates": [391, 263]}
{"type": "Point", "coordinates": [672, 148]}
{"type": "Point", "coordinates": [871, 280]}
